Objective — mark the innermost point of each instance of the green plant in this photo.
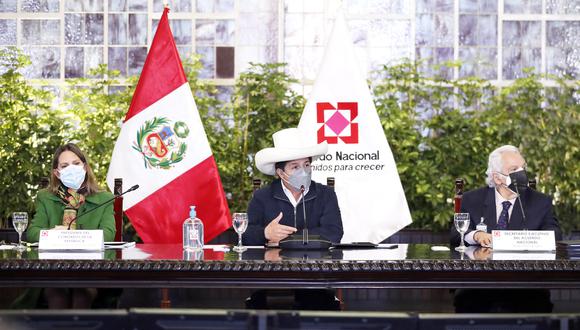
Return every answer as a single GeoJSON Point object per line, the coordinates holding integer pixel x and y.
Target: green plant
{"type": "Point", "coordinates": [434, 129]}
{"type": "Point", "coordinates": [544, 123]}
{"type": "Point", "coordinates": [440, 129]}
{"type": "Point", "coordinates": [95, 108]}
{"type": "Point", "coordinates": [30, 131]}
{"type": "Point", "coordinates": [263, 103]}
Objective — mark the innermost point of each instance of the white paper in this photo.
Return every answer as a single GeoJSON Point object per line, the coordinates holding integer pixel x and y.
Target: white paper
{"type": "Point", "coordinates": [399, 253]}
{"type": "Point", "coordinates": [218, 247]}
{"type": "Point", "coordinates": [438, 248]}
{"type": "Point", "coordinates": [118, 245]}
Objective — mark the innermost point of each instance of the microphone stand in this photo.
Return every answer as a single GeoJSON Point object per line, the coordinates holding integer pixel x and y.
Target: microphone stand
{"type": "Point", "coordinates": [521, 206]}
{"type": "Point", "coordinates": [305, 229]}
{"type": "Point", "coordinates": [295, 242]}
{"type": "Point", "coordinates": [135, 187]}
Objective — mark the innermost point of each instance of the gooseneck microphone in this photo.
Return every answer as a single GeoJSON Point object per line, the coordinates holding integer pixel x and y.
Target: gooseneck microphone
{"type": "Point", "coordinates": [521, 205]}
{"type": "Point", "coordinates": [305, 229]}
{"type": "Point", "coordinates": [304, 241]}
{"type": "Point", "coordinates": [135, 187]}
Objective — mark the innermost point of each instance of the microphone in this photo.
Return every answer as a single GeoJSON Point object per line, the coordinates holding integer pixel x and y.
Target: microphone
{"type": "Point", "coordinates": [521, 206]}
{"type": "Point", "coordinates": [305, 229]}
{"type": "Point", "coordinates": [135, 187]}
{"type": "Point", "coordinates": [295, 242]}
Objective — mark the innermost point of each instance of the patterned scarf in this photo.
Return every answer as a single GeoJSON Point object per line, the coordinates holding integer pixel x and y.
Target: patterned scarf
{"type": "Point", "coordinates": [72, 200]}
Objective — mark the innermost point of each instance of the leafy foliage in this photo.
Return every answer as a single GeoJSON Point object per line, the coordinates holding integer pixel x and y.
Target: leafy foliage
{"type": "Point", "coordinates": [441, 129]}
{"type": "Point", "coordinates": [545, 123]}
{"type": "Point", "coordinates": [263, 103]}
{"type": "Point", "coordinates": [30, 131]}
{"type": "Point", "coordinates": [438, 129]}
{"type": "Point", "coordinates": [96, 108]}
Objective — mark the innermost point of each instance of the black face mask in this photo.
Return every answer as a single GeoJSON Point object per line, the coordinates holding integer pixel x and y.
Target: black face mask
{"type": "Point", "coordinates": [520, 178]}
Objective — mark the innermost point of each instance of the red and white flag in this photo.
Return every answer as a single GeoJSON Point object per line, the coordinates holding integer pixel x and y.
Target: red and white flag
{"type": "Point", "coordinates": [163, 148]}
{"type": "Point", "coordinates": [340, 111]}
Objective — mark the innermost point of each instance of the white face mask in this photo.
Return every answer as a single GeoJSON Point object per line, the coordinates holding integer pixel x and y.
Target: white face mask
{"type": "Point", "coordinates": [73, 176]}
{"type": "Point", "coordinates": [300, 178]}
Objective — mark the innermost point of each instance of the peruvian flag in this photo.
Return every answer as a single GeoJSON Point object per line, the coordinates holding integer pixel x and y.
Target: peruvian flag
{"type": "Point", "coordinates": [163, 148]}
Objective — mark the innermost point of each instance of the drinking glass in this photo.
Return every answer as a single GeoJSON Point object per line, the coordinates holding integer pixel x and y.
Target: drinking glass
{"type": "Point", "coordinates": [20, 222]}
{"type": "Point", "coordinates": [461, 221]}
{"type": "Point", "coordinates": [240, 223]}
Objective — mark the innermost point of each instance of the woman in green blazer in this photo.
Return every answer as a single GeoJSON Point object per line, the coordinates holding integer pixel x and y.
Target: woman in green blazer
{"type": "Point", "coordinates": [72, 191]}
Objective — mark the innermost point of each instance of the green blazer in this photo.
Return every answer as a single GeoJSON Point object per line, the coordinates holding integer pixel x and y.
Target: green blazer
{"type": "Point", "coordinates": [50, 210]}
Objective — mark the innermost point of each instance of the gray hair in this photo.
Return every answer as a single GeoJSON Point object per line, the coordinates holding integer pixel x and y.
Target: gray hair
{"type": "Point", "coordinates": [495, 163]}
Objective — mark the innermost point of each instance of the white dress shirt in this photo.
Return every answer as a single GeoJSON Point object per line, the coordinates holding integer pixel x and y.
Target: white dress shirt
{"type": "Point", "coordinates": [499, 199]}
{"type": "Point", "coordinates": [291, 197]}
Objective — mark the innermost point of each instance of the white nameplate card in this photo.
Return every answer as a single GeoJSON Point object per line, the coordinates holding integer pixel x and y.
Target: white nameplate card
{"type": "Point", "coordinates": [71, 240]}
{"type": "Point", "coordinates": [523, 240]}
{"type": "Point", "coordinates": [536, 255]}
{"type": "Point", "coordinates": [70, 255]}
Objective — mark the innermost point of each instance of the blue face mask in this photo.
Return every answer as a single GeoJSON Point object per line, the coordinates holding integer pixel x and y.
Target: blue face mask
{"type": "Point", "coordinates": [73, 176]}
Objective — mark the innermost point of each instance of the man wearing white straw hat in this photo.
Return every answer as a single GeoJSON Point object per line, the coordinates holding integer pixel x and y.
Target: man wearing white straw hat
{"type": "Point", "coordinates": [276, 211]}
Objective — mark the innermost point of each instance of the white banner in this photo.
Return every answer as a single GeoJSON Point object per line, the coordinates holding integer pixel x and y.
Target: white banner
{"type": "Point", "coordinates": [341, 111]}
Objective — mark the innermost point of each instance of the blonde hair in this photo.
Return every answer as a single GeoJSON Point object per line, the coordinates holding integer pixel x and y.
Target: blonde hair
{"type": "Point", "coordinates": [90, 184]}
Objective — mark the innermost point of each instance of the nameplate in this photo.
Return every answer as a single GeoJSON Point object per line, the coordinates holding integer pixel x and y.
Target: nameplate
{"type": "Point", "coordinates": [533, 255]}
{"type": "Point", "coordinates": [523, 240]}
{"type": "Point", "coordinates": [71, 240]}
{"type": "Point", "coordinates": [72, 255]}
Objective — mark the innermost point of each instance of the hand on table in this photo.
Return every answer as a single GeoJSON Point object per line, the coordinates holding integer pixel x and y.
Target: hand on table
{"type": "Point", "coordinates": [483, 239]}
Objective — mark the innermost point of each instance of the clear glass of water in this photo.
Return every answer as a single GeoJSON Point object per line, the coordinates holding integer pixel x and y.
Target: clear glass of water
{"type": "Point", "coordinates": [461, 221]}
{"type": "Point", "coordinates": [20, 222]}
{"type": "Point", "coordinates": [240, 224]}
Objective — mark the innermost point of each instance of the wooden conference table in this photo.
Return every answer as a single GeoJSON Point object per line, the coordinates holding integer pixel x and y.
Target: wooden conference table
{"type": "Point", "coordinates": [401, 266]}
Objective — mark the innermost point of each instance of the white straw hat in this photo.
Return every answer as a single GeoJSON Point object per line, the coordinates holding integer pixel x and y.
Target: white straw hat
{"type": "Point", "coordinates": [289, 144]}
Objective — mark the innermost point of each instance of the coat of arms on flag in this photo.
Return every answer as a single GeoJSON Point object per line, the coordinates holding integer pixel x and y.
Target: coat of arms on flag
{"type": "Point", "coordinates": [163, 147]}
{"type": "Point", "coordinates": [161, 144]}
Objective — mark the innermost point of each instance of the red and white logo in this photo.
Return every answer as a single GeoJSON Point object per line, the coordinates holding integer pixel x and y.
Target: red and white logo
{"type": "Point", "coordinates": [337, 122]}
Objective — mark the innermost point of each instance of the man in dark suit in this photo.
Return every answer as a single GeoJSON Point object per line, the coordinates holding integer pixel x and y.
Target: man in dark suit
{"type": "Point", "coordinates": [499, 208]}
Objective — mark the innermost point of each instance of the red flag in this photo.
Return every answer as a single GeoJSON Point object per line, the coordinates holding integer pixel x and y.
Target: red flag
{"type": "Point", "coordinates": [163, 148]}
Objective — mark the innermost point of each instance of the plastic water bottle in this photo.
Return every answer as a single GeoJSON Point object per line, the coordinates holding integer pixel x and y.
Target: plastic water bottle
{"type": "Point", "coordinates": [192, 255]}
{"type": "Point", "coordinates": [192, 232]}
{"type": "Point", "coordinates": [481, 226]}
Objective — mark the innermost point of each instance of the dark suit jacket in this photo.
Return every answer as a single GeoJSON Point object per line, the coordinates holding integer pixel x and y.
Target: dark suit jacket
{"type": "Point", "coordinates": [322, 212]}
{"type": "Point", "coordinates": [481, 203]}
